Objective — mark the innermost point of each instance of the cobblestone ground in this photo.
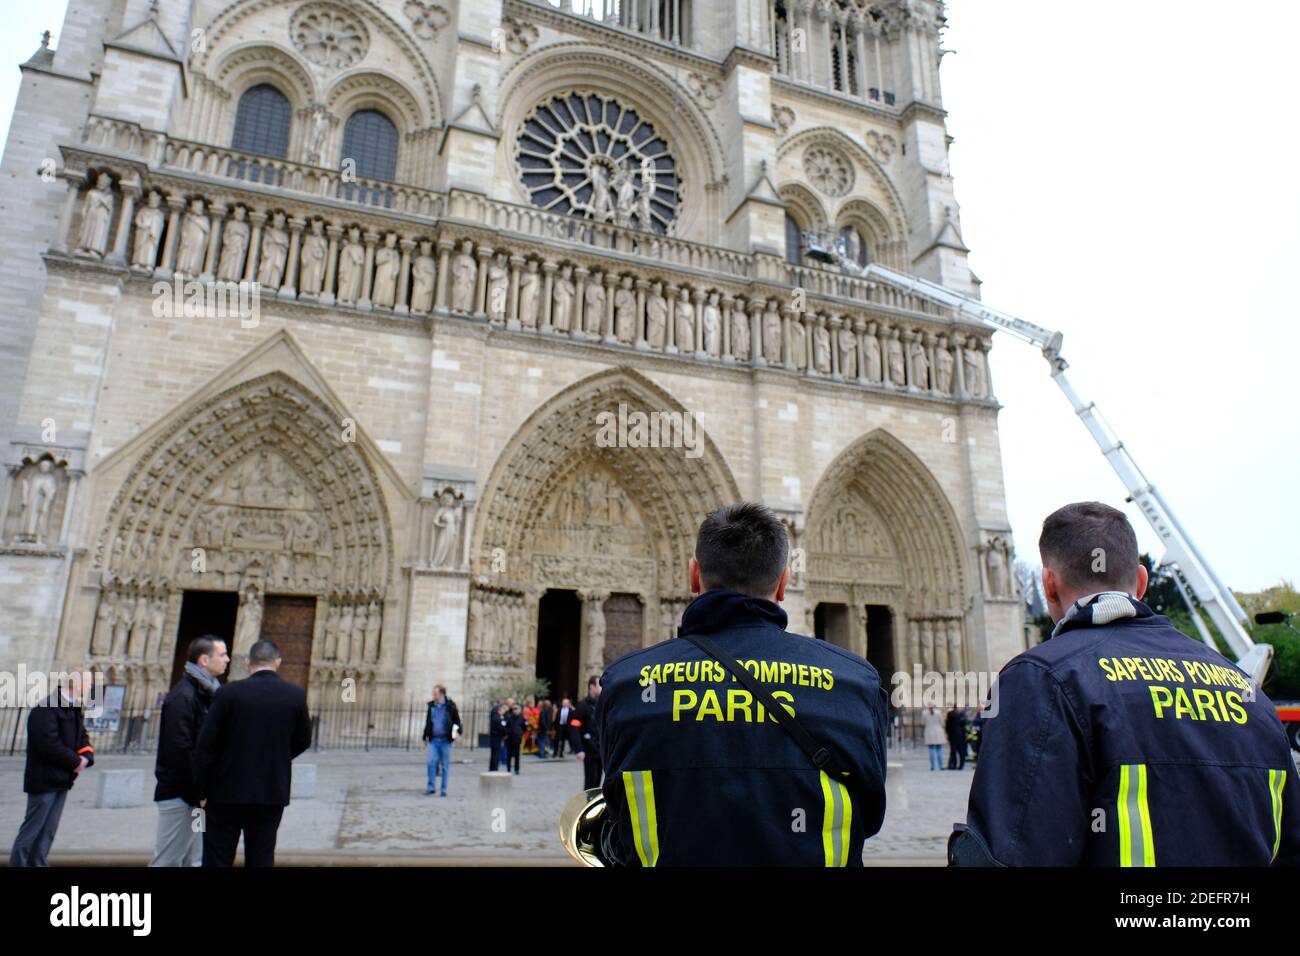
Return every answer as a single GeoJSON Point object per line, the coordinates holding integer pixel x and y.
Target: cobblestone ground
{"type": "Point", "coordinates": [370, 808]}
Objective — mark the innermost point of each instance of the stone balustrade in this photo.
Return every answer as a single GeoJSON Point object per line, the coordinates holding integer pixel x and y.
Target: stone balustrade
{"type": "Point", "coordinates": [500, 264]}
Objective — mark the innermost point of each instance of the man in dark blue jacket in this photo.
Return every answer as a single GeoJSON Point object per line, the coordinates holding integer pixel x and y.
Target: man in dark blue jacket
{"type": "Point", "coordinates": [697, 771]}
{"type": "Point", "coordinates": [1121, 741]}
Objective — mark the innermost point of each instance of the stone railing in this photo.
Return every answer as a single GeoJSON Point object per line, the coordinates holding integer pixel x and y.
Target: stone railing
{"type": "Point", "coordinates": [540, 224]}
{"type": "Point", "coordinates": [225, 163]}
{"type": "Point", "coordinates": [825, 325]}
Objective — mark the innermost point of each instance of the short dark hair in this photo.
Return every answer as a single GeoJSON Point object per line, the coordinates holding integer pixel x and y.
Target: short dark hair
{"type": "Point", "coordinates": [743, 547]}
{"type": "Point", "coordinates": [263, 652]}
{"type": "Point", "coordinates": [204, 644]}
{"type": "Point", "coordinates": [1091, 545]}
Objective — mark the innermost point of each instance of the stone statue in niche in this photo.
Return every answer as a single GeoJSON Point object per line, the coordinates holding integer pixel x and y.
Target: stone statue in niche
{"type": "Point", "coordinates": [122, 624]}
{"type": "Point", "coordinates": [712, 329]}
{"type": "Point", "coordinates": [954, 646]}
{"type": "Point", "coordinates": [352, 260]}
{"type": "Point", "coordinates": [96, 214]}
{"type": "Point", "coordinates": [739, 334]}
{"type": "Point", "coordinates": [157, 625]}
{"type": "Point", "coordinates": [331, 632]}
{"type": "Point", "coordinates": [101, 639]}
{"type": "Point", "coordinates": [387, 261]}
{"type": "Point", "coordinates": [822, 348]}
{"type": "Point", "coordinates": [423, 273]}
{"type": "Point", "coordinates": [645, 217]}
{"type": "Point", "coordinates": [563, 294]}
{"type": "Point", "coordinates": [897, 371]}
{"type": "Point", "coordinates": [593, 315]}
{"type": "Point", "coordinates": [313, 260]}
{"type": "Point", "coordinates": [464, 271]}
{"type": "Point", "coordinates": [772, 335]}
{"type": "Point", "coordinates": [996, 560]}
{"type": "Point", "coordinates": [798, 343]}
{"type": "Point", "coordinates": [274, 251]}
{"type": "Point", "coordinates": [974, 368]}
{"type": "Point", "coordinates": [194, 240]}
{"type": "Point", "coordinates": [871, 349]}
{"type": "Point", "coordinates": [320, 125]}
{"type": "Point", "coordinates": [625, 311]}
{"type": "Point", "coordinates": [135, 647]}
{"type": "Point", "coordinates": [149, 221]}
{"type": "Point", "coordinates": [656, 311]}
{"type": "Point", "coordinates": [344, 650]}
{"type": "Point", "coordinates": [374, 618]}
{"type": "Point", "coordinates": [446, 531]}
{"type": "Point", "coordinates": [234, 243]}
{"type": "Point", "coordinates": [498, 286]}
{"type": "Point", "coordinates": [39, 488]}
{"type": "Point", "coordinates": [250, 618]}
{"type": "Point", "coordinates": [601, 204]}
{"type": "Point", "coordinates": [529, 287]}
{"type": "Point", "coordinates": [848, 343]}
{"type": "Point", "coordinates": [920, 365]}
{"type": "Point", "coordinates": [684, 330]}
{"type": "Point", "coordinates": [943, 367]}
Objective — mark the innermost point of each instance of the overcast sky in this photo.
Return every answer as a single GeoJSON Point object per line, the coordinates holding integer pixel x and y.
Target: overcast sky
{"type": "Point", "coordinates": [1126, 174]}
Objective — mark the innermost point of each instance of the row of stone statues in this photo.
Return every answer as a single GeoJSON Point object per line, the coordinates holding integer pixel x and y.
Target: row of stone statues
{"type": "Point", "coordinates": [351, 633]}
{"type": "Point", "coordinates": [331, 264]}
{"type": "Point", "coordinates": [129, 625]}
{"type": "Point", "coordinates": [498, 627]}
{"type": "Point", "coordinates": [936, 644]}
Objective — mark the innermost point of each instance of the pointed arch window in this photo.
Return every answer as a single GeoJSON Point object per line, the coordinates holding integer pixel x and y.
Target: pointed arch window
{"type": "Point", "coordinates": [793, 240]}
{"type": "Point", "coordinates": [262, 122]}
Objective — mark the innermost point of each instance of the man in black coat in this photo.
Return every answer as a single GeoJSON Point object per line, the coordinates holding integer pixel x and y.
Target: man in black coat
{"type": "Point", "coordinates": [498, 730]}
{"type": "Point", "coordinates": [243, 763]}
{"type": "Point", "coordinates": [441, 729]}
{"type": "Point", "coordinates": [58, 749]}
{"type": "Point", "coordinates": [516, 724]}
{"type": "Point", "coordinates": [563, 726]}
{"type": "Point", "coordinates": [585, 720]}
{"type": "Point", "coordinates": [183, 710]}
{"type": "Point", "coordinates": [955, 726]}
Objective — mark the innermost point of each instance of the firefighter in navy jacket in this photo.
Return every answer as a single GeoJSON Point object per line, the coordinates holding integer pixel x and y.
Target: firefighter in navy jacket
{"type": "Point", "coordinates": [696, 771]}
{"type": "Point", "coordinates": [1121, 741]}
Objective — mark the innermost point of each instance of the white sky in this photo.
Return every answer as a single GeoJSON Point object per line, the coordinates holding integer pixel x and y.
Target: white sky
{"type": "Point", "coordinates": [1125, 170]}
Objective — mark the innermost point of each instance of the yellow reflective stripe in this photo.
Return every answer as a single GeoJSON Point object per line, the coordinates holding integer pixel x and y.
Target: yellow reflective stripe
{"type": "Point", "coordinates": [1276, 781]}
{"type": "Point", "coordinates": [1134, 842]}
{"type": "Point", "coordinates": [1121, 808]}
{"type": "Point", "coordinates": [848, 820]}
{"type": "Point", "coordinates": [638, 786]}
{"type": "Point", "coordinates": [1148, 845]}
{"type": "Point", "coordinates": [828, 820]}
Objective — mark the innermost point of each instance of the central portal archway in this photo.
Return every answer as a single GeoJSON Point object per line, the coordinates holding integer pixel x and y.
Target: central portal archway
{"type": "Point", "coordinates": [613, 522]}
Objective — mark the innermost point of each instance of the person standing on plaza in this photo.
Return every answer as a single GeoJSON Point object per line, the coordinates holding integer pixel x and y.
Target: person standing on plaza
{"type": "Point", "coordinates": [243, 762]}
{"type": "Point", "coordinates": [585, 722]}
{"type": "Point", "coordinates": [543, 728]}
{"type": "Point", "coordinates": [179, 842]}
{"type": "Point", "coordinates": [531, 735]}
{"type": "Point", "coordinates": [563, 726]}
{"type": "Point", "coordinates": [441, 728]}
{"type": "Point", "coordinates": [935, 736]}
{"type": "Point", "coordinates": [956, 728]}
{"type": "Point", "coordinates": [58, 749]}
{"type": "Point", "coordinates": [498, 729]}
{"type": "Point", "coordinates": [516, 725]}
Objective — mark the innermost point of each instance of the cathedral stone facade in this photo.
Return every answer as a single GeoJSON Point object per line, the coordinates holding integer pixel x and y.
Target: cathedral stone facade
{"type": "Point", "coordinates": [420, 335]}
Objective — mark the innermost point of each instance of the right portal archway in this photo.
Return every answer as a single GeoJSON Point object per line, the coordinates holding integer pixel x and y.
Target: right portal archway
{"type": "Point", "coordinates": [885, 560]}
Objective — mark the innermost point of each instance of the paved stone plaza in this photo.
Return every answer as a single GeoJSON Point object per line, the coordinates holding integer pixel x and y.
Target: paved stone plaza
{"type": "Point", "coordinates": [370, 809]}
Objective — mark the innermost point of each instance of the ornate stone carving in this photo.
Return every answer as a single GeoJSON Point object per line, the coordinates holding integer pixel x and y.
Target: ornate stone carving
{"type": "Point", "coordinates": [529, 295]}
{"type": "Point", "coordinates": [445, 550]}
{"type": "Point", "coordinates": [234, 245]}
{"type": "Point", "coordinates": [973, 367]}
{"type": "Point", "coordinates": [920, 365]}
{"type": "Point", "coordinates": [706, 88]}
{"type": "Point", "coordinates": [352, 259]}
{"type": "Point", "coordinates": [848, 345]}
{"type": "Point", "coordinates": [313, 260]}
{"type": "Point", "coordinates": [656, 310]}
{"type": "Point", "coordinates": [740, 334]}
{"type": "Point", "coordinates": [328, 35]}
{"type": "Point", "coordinates": [387, 261]}
{"type": "Point", "coordinates": [897, 367]}
{"type": "Point", "coordinates": [828, 170]}
{"type": "Point", "coordinates": [563, 299]}
{"type": "Point", "coordinates": [684, 330]}
{"type": "Point", "coordinates": [194, 241]}
{"type": "Point", "coordinates": [40, 483]}
{"type": "Point", "coordinates": [995, 555]}
{"type": "Point", "coordinates": [871, 349]}
{"type": "Point", "coordinates": [593, 312]}
{"type": "Point", "coordinates": [943, 366]}
{"type": "Point", "coordinates": [519, 35]}
{"type": "Point", "coordinates": [822, 349]}
{"type": "Point", "coordinates": [274, 252]}
{"type": "Point", "coordinates": [464, 272]}
{"type": "Point", "coordinates": [772, 334]}
{"type": "Point", "coordinates": [426, 18]}
{"type": "Point", "coordinates": [783, 118]}
{"type": "Point", "coordinates": [881, 145]}
{"type": "Point", "coordinates": [625, 318]}
{"type": "Point", "coordinates": [712, 326]}
{"type": "Point", "coordinates": [96, 217]}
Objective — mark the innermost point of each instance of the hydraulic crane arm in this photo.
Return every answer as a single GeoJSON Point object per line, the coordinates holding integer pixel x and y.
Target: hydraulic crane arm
{"type": "Point", "coordinates": [1181, 553]}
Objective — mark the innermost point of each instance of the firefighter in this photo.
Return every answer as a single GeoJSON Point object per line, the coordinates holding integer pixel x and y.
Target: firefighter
{"type": "Point", "coordinates": [699, 770]}
{"type": "Point", "coordinates": [1121, 741]}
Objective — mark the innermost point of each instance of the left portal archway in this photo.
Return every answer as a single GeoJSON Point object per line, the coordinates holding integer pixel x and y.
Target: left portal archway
{"type": "Point", "coordinates": [254, 492]}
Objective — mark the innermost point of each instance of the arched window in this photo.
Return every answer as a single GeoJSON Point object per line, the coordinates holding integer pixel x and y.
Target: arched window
{"type": "Point", "coordinates": [853, 245]}
{"type": "Point", "coordinates": [370, 140]}
{"type": "Point", "coordinates": [793, 240]}
{"type": "Point", "coordinates": [262, 122]}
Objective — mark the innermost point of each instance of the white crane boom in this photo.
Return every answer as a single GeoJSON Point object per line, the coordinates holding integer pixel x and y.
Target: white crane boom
{"type": "Point", "coordinates": [1180, 552]}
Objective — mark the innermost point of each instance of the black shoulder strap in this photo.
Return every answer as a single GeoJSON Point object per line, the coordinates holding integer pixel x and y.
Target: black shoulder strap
{"type": "Point", "coordinates": [819, 755]}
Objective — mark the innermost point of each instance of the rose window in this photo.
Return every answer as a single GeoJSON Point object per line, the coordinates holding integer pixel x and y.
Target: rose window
{"type": "Point", "coordinates": [585, 154]}
{"type": "Point", "coordinates": [328, 36]}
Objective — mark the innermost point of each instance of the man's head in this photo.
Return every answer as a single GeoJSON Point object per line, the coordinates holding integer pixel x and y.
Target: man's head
{"type": "Point", "coordinates": [439, 694]}
{"type": "Point", "coordinates": [510, 702]}
{"type": "Point", "coordinates": [209, 652]}
{"type": "Point", "coordinates": [743, 547]}
{"type": "Point", "coordinates": [77, 683]}
{"type": "Point", "coordinates": [593, 686]}
{"type": "Point", "coordinates": [263, 655]}
{"type": "Point", "coordinates": [1088, 547]}
{"type": "Point", "coordinates": [565, 702]}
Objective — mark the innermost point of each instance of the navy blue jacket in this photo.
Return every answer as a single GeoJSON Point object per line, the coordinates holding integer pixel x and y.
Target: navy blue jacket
{"type": "Point", "coordinates": [1127, 743]}
{"type": "Point", "coordinates": [696, 773]}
